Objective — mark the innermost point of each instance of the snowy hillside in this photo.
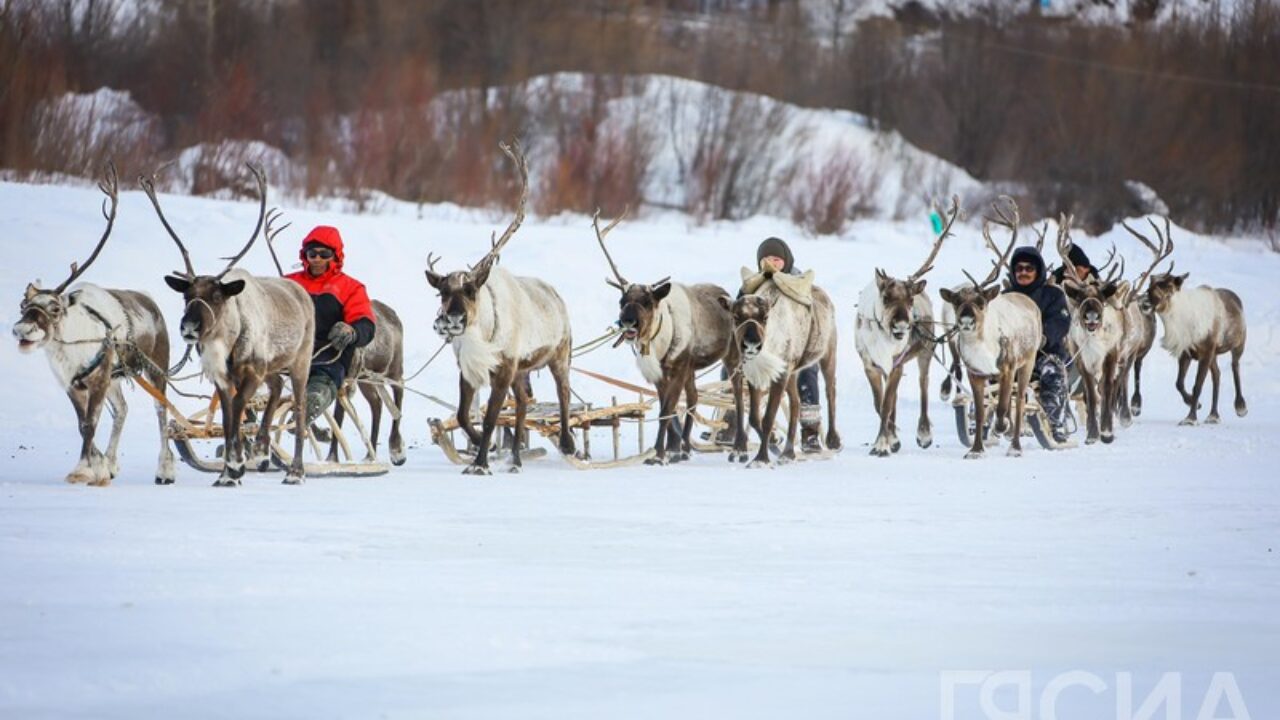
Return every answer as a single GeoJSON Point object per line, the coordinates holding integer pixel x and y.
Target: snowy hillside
{"type": "Point", "coordinates": [829, 589]}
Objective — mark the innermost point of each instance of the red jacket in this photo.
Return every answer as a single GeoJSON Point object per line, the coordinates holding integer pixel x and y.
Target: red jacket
{"type": "Point", "coordinates": [337, 297]}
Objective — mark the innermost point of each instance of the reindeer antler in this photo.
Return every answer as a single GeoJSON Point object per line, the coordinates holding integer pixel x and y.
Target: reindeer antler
{"type": "Point", "coordinates": [1064, 246]}
{"type": "Point", "coordinates": [621, 283]}
{"type": "Point", "coordinates": [261, 177]}
{"type": "Point", "coordinates": [927, 265]}
{"type": "Point", "coordinates": [271, 234]}
{"type": "Point", "coordinates": [1040, 235]}
{"type": "Point", "coordinates": [110, 186]}
{"type": "Point", "coordinates": [1162, 251]}
{"type": "Point", "coordinates": [148, 185]}
{"type": "Point", "coordinates": [516, 154]}
{"type": "Point", "coordinates": [431, 262]}
{"type": "Point", "coordinates": [1006, 221]}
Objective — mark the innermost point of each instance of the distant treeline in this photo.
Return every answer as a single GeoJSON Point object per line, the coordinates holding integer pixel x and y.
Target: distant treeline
{"type": "Point", "coordinates": [1064, 113]}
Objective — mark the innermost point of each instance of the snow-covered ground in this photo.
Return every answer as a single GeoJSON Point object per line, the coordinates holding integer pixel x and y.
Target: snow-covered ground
{"type": "Point", "coordinates": [847, 588]}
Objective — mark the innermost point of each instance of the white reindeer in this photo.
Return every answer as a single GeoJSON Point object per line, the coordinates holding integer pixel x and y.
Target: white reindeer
{"type": "Point", "coordinates": [248, 330]}
{"type": "Point", "coordinates": [998, 336]}
{"type": "Point", "coordinates": [674, 330]}
{"type": "Point", "coordinates": [502, 327]}
{"type": "Point", "coordinates": [94, 338]}
{"type": "Point", "coordinates": [1199, 324]}
{"type": "Point", "coordinates": [780, 331]}
{"type": "Point", "coordinates": [895, 326]}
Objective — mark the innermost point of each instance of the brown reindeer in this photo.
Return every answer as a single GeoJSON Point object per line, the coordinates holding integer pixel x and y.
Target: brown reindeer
{"type": "Point", "coordinates": [674, 330]}
{"type": "Point", "coordinates": [249, 331]}
{"type": "Point", "coordinates": [94, 338]}
{"type": "Point", "coordinates": [502, 327]}
{"type": "Point", "coordinates": [895, 326]}
{"type": "Point", "coordinates": [778, 334]}
{"type": "Point", "coordinates": [1199, 324]}
{"type": "Point", "coordinates": [998, 336]}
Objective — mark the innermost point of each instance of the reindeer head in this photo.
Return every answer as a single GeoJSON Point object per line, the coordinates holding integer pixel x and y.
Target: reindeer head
{"type": "Point", "coordinates": [459, 297]}
{"type": "Point", "coordinates": [970, 302]}
{"type": "Point", "coordinates": [43, 310]}
{"type": "Point", "coordinates": [1161, 291]}
{"type": "Point", "coordinates": [206, 296]}
{"type": "Point", "coordinates": [1090, 299]}
{"type": "Point", "coordinates": [638, 308]}
{"type": "Point", "coordinates": [750, 321]}
{"type": "Point", "coordinates": [898, 298]}
{"type": "Point", "coordinates": [460, 290]}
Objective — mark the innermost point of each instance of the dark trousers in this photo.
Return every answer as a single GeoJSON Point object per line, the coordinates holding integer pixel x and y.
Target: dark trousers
{"type": "Point", "coordinates": [1051, 369]}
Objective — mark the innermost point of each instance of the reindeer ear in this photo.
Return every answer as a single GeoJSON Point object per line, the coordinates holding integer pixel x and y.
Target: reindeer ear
{"type": "Point", "coordinates": [435, 280]}
{"type": "Point", "coordinates": [1071, 288]}
{"type": "Point", "coordinates": [480, 275]}
{"type": "Point", "coordinates": [991, 293]}
{"type": "Point", "coordinates": [918, 287]}
{"type": "Point", "coordinates": [661, 291]}
{"type": "Point", "coordinates": [881, 279]}
{"type": "Point", "coordinates": [1109, 290]}
{"type": "Point", "coordinates": [231, 289]}
{"type": "Point", "coordinates": [947, 296]}
{"type": "Point", "coordinates": [1178, 280]}
{"type": "Point", "coordinates": [725, 302]}
{"type": "Point", "coordinates": [180, 284]}
{"type": "Point", "coordinates": [31, 291]}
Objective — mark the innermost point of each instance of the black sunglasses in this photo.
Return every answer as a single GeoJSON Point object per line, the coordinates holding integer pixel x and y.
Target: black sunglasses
{"type": "Point", "coordinates": [322, 253]}
{"type": "Point", "coordinates": [1020, 267]}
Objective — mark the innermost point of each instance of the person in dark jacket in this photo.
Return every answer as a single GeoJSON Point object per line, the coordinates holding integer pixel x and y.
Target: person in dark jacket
{"type": "Point", "coordinates": [1080, 263]}
{"type": "Point", "coordinates": [1027, 276]}
{"type": "Point", "coordinates": [774, 255]}
{"type": "Point", "coordinates": [344, 315]}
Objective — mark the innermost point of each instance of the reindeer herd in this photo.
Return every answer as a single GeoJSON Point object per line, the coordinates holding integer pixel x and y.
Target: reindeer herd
{"type": "Point", "coordinates": [252, 331]}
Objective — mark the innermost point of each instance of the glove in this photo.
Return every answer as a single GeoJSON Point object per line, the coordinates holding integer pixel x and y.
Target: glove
{"type": "Point", "coordinates": [341, 335]}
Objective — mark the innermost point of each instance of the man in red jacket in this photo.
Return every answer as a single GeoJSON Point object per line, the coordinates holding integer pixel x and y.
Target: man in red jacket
{"type": "Point", "coordinates": [344, 316]}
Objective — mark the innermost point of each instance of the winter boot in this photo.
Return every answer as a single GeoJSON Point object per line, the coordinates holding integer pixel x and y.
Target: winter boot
{"type": "Point", "coordinates": [810, 428]}
{"type": "Point", "coordinates": [321, 393]}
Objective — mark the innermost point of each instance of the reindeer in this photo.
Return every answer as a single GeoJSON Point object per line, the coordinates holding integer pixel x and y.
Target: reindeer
{"type": "Point", "coordinates": [674, 331]}
{"type": "Point", "coordinates": [1199, 324]}
{"type": "Point", "coordinates": [997, 335]}
{"type": "Point", "coordinates": [895, 326]}
{"type": "Point", "coordinates": [502, 327]}
{"type": "Point", "coordinates": [383, 358]}
{"type": "Point", "coordinates": [248, 331]}
{"type": "Point", "coordinates": [1097, 334]}
{"type": "Point", "coordinates": [94, 338]}
{"type": "Point", "coordinates": [777, 335]}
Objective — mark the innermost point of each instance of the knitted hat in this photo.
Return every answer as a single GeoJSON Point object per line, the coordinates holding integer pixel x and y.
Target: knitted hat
{"type": "Point", "coordinates": [1077, 256]}
{"type": "Point", "coordinates": [775, 247]}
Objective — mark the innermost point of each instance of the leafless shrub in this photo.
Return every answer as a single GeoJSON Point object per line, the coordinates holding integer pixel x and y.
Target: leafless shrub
{"type": "Point", "coordinates": [827, 194]}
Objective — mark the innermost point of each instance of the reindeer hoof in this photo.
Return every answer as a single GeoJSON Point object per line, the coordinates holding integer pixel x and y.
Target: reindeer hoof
{"type": "Point", "coordinates": [164, 481]}
{"type": "Point", "coordinates": [1126, 422]}
{"type": "Point", "coordinates": [924, 441]}
{"type": "Point", "coordinates": [896, 446]}
{"type": "Point", "coordinates": [477, 470]}
{"type": "Point", "coordinates": [833, 442]}
{"type": "Point", "coordinates": [1187, 422]}
{"type": "Point", "coordinates": [78, 476]}
{"type": "Point", "coordinates": [226, 482]}
{"type": "Point", "coordinates": [1091, 440]}
{"type": "Point", "coordinates": [755, 464]}
{"type": "Point", "coordinates": [293, 479]}
{"type": "Point", "coordinates": [1014, 452]}
{"type": "Point", "coordinates": [1213, 419]}
{"type": "Point", "coordinates": [1135, 407]}
{"type": "Point", "coordinates": [398, 457]}
{"type": "Point", "coordinates": [514, 469]}
{"type": "Point", "coordinates": [1108, 438]}
{"type": "Point", "coordinates": [877, 451]}
{"type": "Point", "coordinates": [974, 454]}
{"type": "Point", "coordinates": [657, 460]}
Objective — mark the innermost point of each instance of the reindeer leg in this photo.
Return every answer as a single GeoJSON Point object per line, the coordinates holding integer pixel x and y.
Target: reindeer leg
{"type": "Point", "coordinates": [1242, 408]}
{"type": "Point", "coordinates": [500, 382]}
{"type": "Point", "coordinates": [1136, 404]}
{"type": "Point", "coordinates": [228, 446]}
{"type": "Point", "coordinates": [1184, 362]}
{"type": "Point", "coordinates": [235, 460]}
{"type": "Point", "coordinates": [793, 420]}
{"type": "Point", "coordinates": [668, 393]}
{"type": "Point", "coordinates": [766, 423]}
{"type": "Point", "coordinates": [466, 394]}
{"type": "Point", "coordinates": [924, 429]}
{"type": "Point", "coordinates": [690, 404]}
{"type": "Point", "coordinates": [395, 443]}
{"type": "Point", "coordinates": [520, 390]}
{"type": "Point", "coordinates": [119, 411]}
{"type": "Point", "coordinates": [827, 366]}
{"type": "Point", "coordinates": [1091, 406]}
{"type": "Point", "coordinates": [1022, 376]}
{"type": "Point", "coordinates": [1108, 398]}
{"type": "Point", "coordinates": [739, 452]}
{"type": "Point", "coordinates": [978, 385]}
{"type": "Point", "coordinates": [260, 457]}
{"type": "Point", "coordinates": [1202, 369]}
{"type": "Point", "coordinates": [298, 376]}
{"type": "Point", "coordinates": [877, 379]}
{"type": "Point", "coordinates": [1215, 375]}
{"type": "Point", "coordinates": [559, 366]}
{"type": "Point", "coordinates": [1121, 403]}
{"type": "Point", "coordinates": [88, 406]}
{"type": "Point", "coordinates": [1007, 380]}
{"type": "Point", "coordinates": [374, 400]}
